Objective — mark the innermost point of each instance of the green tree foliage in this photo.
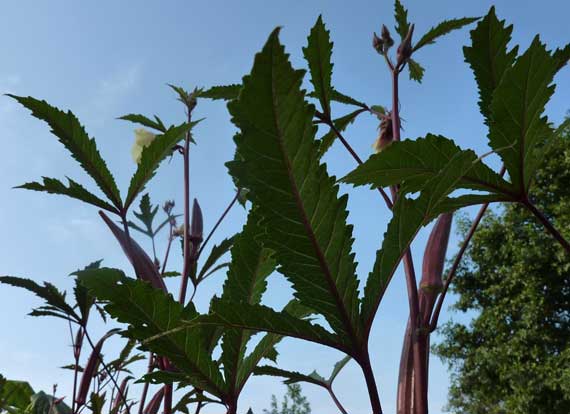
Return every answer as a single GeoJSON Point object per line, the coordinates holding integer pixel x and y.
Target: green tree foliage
{"type": "Point", "coordinates": [514, 356]}
{"type": "Point", "coordinates": [293, 402]}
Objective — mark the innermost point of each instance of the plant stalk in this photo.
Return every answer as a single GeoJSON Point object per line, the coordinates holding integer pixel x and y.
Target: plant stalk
{"type": "Point", "coordinates": [186, 268]}
{"type": "Point", "coordinates": [370, 383]}
{"type": "Point", "coordinates": [336, 400]}
{"type": "Point", "coordinates": [420, 388]}
{"type": "Point", "coordinates": [222, 217]}
{"type": "Point", "coordinates": [357, 158]}
{"type": "Point", "coordinates": [547, 224]}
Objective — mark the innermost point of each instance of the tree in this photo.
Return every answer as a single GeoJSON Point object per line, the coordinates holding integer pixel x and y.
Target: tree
{"type": "Point", "coordinates": [514, 356]}
{"type": "Point", "coordinates": [293, 402]}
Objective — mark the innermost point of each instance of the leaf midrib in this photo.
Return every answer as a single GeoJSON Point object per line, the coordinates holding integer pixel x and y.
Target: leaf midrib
{"type": "Point", "coordinates": [298, 201]}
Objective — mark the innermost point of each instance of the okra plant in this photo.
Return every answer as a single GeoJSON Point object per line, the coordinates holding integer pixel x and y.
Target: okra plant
{"type": "Point", "coordinates": [297, 221]}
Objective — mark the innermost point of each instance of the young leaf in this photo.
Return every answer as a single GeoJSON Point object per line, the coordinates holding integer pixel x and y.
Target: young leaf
{"type": "Point", "coordinates": [408, 217]}
{"type": "Point", "coordinates": [318, 55]}
{"type": "Point", "coordinates": [517, 125]}
{"type": "Point", "coordinates": [152, 156]}
{"type": "Point", "coordinates": [56, 304]}
{"type": "Point", "coordinates": [303, 216]}
{"type": "Point", "coordinates": [66, 127]}
{"type": "Point", "coordinates": [147, 122]}
{"type": "Point", "coordinates": [416, 70]}
{"type": "Point", "coordinates": [488, 57]}
{"type": "Point", "coordinates": [401, 16]}
{"type": "Point", "coordinates": [151, 312]}
{"type": "Point", "coordinates": [147, 212]}
{"type": "Point", "coordinates": [412, 163]}
{"type": "Point", "coordinates": [442, 29]}
{"type": "Point", "coordinates": [341, 124]}
{"type": "Point", "coordinates": [226, 92]}
{"type": "Point", "coordinates": [73, 190]}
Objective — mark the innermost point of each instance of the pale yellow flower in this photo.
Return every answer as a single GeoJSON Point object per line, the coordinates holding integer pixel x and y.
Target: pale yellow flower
{"type": "Point", "coordinates": [143, 138]}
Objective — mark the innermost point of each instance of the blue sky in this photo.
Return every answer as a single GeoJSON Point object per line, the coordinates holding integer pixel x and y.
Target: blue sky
{"type": "Point", "coordinates": [106, 59]}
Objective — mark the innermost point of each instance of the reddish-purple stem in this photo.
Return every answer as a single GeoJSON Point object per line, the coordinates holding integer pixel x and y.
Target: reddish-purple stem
{"type": "Point", "coordinates": [420, 389]}
{"type": "Point", "coordinates": [224, 214]}
{"type": "Point", "coordinates": [336, 400]}
{"type": "Point", "coordinates": [357, 158]}
{"type": "Point", "coordinates": [547, 224]}
{"type": "Point", "coordinates": [457, 260]}
{"type": "Point", "coordinates": [187, 264]}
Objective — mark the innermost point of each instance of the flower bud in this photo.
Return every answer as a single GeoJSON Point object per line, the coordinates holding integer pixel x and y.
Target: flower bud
{"type": "Point", "coordinates": [143, 138]}
{"type": "Point", "coordinates": [168, 206]}
{"type": "Point", "coordinates": [377, 43]}
{"type": "Point", "coordinates": [386, 38]}
{"type": "Point", "coordinates": [385, 137]}
{"type": "Point", "coordinates": [178, 231]}
{"type": "Point", "coordinates": [197, 222]}
{"type": "Point", "coordinates": [405, 48]}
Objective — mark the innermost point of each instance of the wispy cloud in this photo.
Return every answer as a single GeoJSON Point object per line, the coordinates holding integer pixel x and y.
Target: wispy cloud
{"type": "Point", "coordinates": [110, 92]}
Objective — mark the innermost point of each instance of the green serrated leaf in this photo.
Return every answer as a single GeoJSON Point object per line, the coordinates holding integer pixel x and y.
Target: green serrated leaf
{"type": "Point", "coordinates": [488, 57]}
{"type": "Point", "coordinates": [84, 301]}
{"type": "Point", "coordinates": [73, 190]}
{"type": "Point", "coordinates": [264, 319]}
{"type": "Point", "coordinates": [291, 377]}
{"type": "Point", "coordinates": [152, 156]}
{"type": "Point", "coordinates": [151, 312]}
{"type": "Point", "coordinates": [341, 124]}
{"type": "Point", "coordinates": [562, 56]}
{"type": "Point", "coordinates": [265, 349]}
{"type": "Point", "coordinates": [48, 292]}
{"type": "Point", "coordinates": [147, 122]}
{"type": "Point", "coordinates": [41, 403]}
{"type": "Point", "coordinates": [408, 217]}
{"type": "Point", "coordinates": [401, 16]}
{"type": "Point", "coordinates": [146, 213]}
{"type": "Point", "coordinates": [14, 394]}
{"type": "Point", "coordinates": [412, 163]}
{"type": "Point", "coordinates": [347, 100]}
{"type": "Point", "coordinates": [318, 55]}
{"type": "Point", "coordinates": [247, 274]}
{"type": "Point", "coordinates": [416, 70]}
{"type": "Point", "coordinates": [226, 92]}
{"type": "Point", "coordinates": [218, 250]}
{"type": "Point", "coordinates": [517, 123]}
{"type": "Point", "coordinates": [442, 29]}
{"type": "Point", "coordinates": [304, 218]}
{"type": "Point", "coordinates": [66, 127]}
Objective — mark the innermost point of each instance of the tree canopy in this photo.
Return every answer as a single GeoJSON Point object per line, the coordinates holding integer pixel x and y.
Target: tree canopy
{"type": "Point", "coordinates": [514, 356]}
